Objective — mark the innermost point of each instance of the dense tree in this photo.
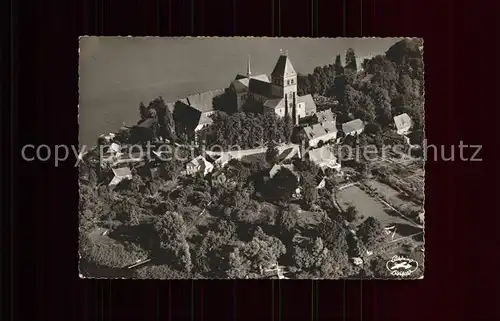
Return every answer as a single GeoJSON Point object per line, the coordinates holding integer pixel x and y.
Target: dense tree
{"type": "Point", "coordinates": [339, 69]}
{"type": "Point", "coordinates": [370, 230]}
{"type": "Point", "coordinates": [350, 61]}
{"type": "Point", "coordinates": [351, 213]}
{"type": "Point", "coordinates": [172, 232]}
{"type": "Point", "coordinates": [283, 185]}
{"type": "Point", "coordinates": [143, 112]}
{"type": "Point", "coordinates": [272, 153]}
{"type": "Point", "coordinates": [246, 130]}
{"type": "Point", "coordinates": [263, 250]}
{"type": "Point", "coordinates": [288, 219]}
{"type": "Point", "coordinates": [309, 189]}
{"type": "Point", "coordinates": [310, 255]}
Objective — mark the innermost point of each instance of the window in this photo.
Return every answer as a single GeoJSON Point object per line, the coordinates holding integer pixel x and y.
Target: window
{"type": "Point", "coordinates": [288, 82]}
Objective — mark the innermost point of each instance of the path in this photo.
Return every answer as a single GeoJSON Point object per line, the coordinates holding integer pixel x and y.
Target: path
{"type": "Point", "coordinates": [238, 154]}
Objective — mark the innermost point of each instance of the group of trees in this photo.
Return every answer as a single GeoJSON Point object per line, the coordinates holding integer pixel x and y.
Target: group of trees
{"type": "Point", "coordinates": [157, 109]}
{"type": "Point", "coordinates": [248, 130]}
{"type": "Point", "coordinates": [157, 215]}
{"type": "Point", "coordinates": [387, 85]}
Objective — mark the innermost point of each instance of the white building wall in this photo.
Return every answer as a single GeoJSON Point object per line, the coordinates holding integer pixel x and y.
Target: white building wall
{"type": "Point", "coordinates": [325, 138]}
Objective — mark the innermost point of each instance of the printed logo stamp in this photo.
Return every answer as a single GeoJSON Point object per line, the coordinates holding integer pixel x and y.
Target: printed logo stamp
{"type": "Point", "coordinates": [401, 266]}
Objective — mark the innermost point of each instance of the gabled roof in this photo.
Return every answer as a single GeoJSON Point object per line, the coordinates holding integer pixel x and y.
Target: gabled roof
{"type": "Point", "coordinates": [322, 155]}
{"type": "Point", "coordinates": [353, 125]}
{"type": "Point", "coordinates": [402, 121]}
{"type": "Point", "coordinates": [259, 87]}
{"type": "Point", "coordinates": [276, 168]}
{"type": "Point", "coordinates": [122, 172]}
{"type": "Point", "coordinates": [200, 161]}
{"type": "Point", "coordinates": [325, 115]}
{"type": "Point", "coordinates": [204, 101]}
{"type": "Point", "coordinates": [310, 105]}
{"type": "Point", "coordinates": [329, 127]}
{"type": "Point", "coordinates": [318, 130]}
{"type": "Point", "coordinates": [274, 103]}
{"type": "Point", "coordinates": [241, 83]}
{"type": "Point", "coordinates": [283, 68]}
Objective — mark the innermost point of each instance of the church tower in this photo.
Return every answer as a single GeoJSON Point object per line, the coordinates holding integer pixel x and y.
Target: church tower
{"type": "Point", "coordinates": [284, 81]}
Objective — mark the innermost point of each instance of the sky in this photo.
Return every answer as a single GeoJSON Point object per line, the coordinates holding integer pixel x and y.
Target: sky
{"type": "Point", "coordinates": [117, 73]}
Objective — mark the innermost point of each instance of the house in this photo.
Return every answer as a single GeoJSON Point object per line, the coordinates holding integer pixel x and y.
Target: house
{"type": "Point", "coordinates": [353, 127]}
{"type": "Point", "coordinates": [325, 131]}
{"type": "Point", "coordinates": [199, 165]}
{"type": "Point", "coordinates": [193, 113]}
{"type": "Point", "coordinates": [121, 173]}
{"type": "Point", "coordinates": [403, 124]}
{"type": "Point", "coordinates": [325, 116]}
{"type": "Point", "coordinates": [323, 157]}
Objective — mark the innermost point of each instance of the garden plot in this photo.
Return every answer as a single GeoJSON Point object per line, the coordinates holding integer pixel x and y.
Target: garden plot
{"type": "Point", "coordinates": [370, 206]}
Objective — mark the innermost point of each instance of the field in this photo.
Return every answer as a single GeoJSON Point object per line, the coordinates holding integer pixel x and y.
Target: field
{"type": "Point", "coordinates": [392, 196]}
{"type": "Point", "coordinates": [370, 206]}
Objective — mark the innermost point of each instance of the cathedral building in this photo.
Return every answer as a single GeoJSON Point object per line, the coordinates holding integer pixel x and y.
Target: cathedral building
{"type": "Point", "coordinates": [277, 93]}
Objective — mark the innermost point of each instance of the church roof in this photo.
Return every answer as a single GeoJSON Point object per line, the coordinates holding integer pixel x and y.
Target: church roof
{"type": "Point", "coordinates": [204, 101]}
{"type": "Point", "coordinates": [273, 103]}
{"type": "Point", "coordinates": [241, 83]}
{"type": "Point", "coordinates": [283, 68]}
{"type": "Point", "coordinates": [259, 87]}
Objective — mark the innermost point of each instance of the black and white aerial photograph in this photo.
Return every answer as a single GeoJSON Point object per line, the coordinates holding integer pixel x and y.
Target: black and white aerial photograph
{"type": "Point", "coordinates": [251, 158]}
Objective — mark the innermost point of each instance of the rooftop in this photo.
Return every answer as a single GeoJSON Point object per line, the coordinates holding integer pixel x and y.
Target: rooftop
{"type": "Point", "coordinates": [325, 115]}
{"type": "Point", "coordinates": [310, 104]}
{"type": "Point", "coordinates": [283, 68]}
{"type": "Point", "coordinates": [203, 101]}
{"type": "Point", "coordinates": [402, 121]}
{"type": "Point", "coordinates": [322, 155]}
{"type": "Point", "coordinates": [353, 125]}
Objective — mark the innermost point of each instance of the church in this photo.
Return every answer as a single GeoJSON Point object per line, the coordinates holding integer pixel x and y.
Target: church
{"type": "Point", "coordinates": [276, 94]}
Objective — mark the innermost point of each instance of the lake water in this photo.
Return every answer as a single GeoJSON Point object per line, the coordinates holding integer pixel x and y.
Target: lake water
{"type": "Point", "coordinates": [117, 73]}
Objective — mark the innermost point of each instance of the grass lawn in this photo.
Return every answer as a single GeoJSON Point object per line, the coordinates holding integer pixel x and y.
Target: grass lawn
{"type": "Point", "coordinates": [255, 158]}
{"type": "Point", "coordinates": [369, 206]}
{"type": "Point", "coordinates": [391, 195]}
